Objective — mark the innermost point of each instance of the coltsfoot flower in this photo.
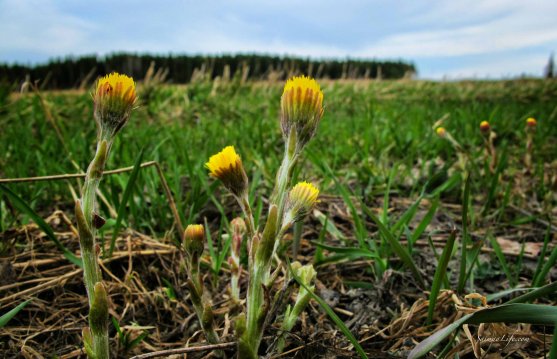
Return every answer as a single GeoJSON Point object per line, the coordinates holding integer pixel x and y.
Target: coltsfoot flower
{"type": "Point", "coordinates": [114, 99]}
{"type": "Point", "coordinates": [531, 122]}
{"type": "Point", "coordinates": [227, 167]}
{"type": "Point", "coordinates": [485, 127]}
{"type": "Point", "coordinates": [441, 132]}
{"type": "Point", "coordinates": [301, 108]}
{"type": "Point", "coordinates": [194, 237]}
{"type": "Point", "coordinates": [301, 199]}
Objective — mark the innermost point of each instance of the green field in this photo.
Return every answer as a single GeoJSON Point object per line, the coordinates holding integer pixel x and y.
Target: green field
{"type": "Point", "coordinates": [376, 146]}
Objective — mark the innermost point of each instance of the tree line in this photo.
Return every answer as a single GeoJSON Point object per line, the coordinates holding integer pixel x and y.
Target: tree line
{"type": "Point", "coordinates": [74, 72]}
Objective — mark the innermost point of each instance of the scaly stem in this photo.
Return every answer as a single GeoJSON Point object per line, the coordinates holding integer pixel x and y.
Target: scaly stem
{"type": "Point", "coordinates": [201, 305]}
{"type": "Point", "coordinates": [257, 303]}
{"type": "Point", "coordinates": [85, 212]}
{"type": "Point", "coordinates": [246, 208]}
{"type": "Point", "coordinates": [283, 176]}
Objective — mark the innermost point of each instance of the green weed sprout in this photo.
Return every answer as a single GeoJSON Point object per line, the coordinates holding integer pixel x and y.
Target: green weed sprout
{"type": "Point", "coordinates": [301, 112]}
{"type": "Point", "coordinates": [194, 243]}
{"type": "Point", "coordinates": [531, 125]}
{"type": "Point", "coordinates": [489, 137]}
{"type": "Point", "coordinates": [114, 99]}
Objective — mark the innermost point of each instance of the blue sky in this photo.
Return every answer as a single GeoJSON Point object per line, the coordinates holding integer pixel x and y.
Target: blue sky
{"type": "Point", "coordinates": [445, 39]}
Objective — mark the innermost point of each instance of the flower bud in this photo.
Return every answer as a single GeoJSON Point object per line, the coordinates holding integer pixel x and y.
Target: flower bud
{"type": "Point", "coordinates": [114, 99]}
{"type": "Point", "coordinates": [301, 109]}
{"type": "Point", "coordinates": [485, 127]}
{"type": "Point", "coordinates": [307, 274]}
{"type": "Point", "coordinates": [531, 123]}
{"type": "Point", "coordinates": [194, 237]}
{"type": "Point", "coordinates": [227, 167]}
{"type": "Point", "coordinates": [441, 132]}
{"type": "Point", "coordinates": [238, 231]}
{"type": "Point", "coordinates": [301, 199]}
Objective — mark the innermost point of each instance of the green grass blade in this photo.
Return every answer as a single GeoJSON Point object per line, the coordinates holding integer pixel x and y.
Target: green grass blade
{"type": "Point", "coordinates": [496, 296]}
{"type": "Point", "coordinates": [535, 294]}
{"type": "Point", "coordinates": [546, 268]}
{"type": "Point", "coordinates": [440, 272]}
{"type": "Point", "coordinates": [137, 340]}
{"type": "Point", "coordinates": [361, 232]}
{"type": "Point", "coordinates": [425, 221]}
{"type": "Point", "coordinates": [319, 251]}
{"type": "Point", "coordinates": [211, 245]}
{"type": "Point", "coordinates": [399, 250]}
{"type": "Point", "coordinates": [23, 207]}
{"type": "Point", "coordinates": [124, 202]}
{"type": "Point", "coordinates": [464, 239]}
{"type": "Point", "coordinates": [339, 323]}
{"type": "Point", "coordinates": [474, 254]}
{"type": "Point", "coordinates": [506, 313]}
{"type": "Point", "coordinates": [353, 252]}
{"type": "Point", "coordinates": [385, 213]}
{"type": "Point", "coordinates": [408, 215]}
{"type": "Point", "coordinates": [329, 226]}
{"type": "Point", "coordinates": [553, 352]}
{"type": "Point", "coordinates": [4, 319]}
{"type": "Point", "coordinates": [501, 258]}
{"type": "Point", "coordinates": [501, 165]}
{"type": "Point", "coordinates": [541, 258]}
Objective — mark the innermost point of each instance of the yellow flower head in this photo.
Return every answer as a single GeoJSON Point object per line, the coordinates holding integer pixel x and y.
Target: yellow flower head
{"type": "Point", "coordinates": [485, 127]}
{"type": "Point", "coordinates": [114, 99]}
{"type": "Point", "coordinates": [441, 132]}
{"type": "Point", "coordinates": [531, 122]}
{"type": "Point", "coordinates": [301, 108]}
{"type": "Point", "coordinates": [227, 167]}
{"type": "Point", "coordinates": [117, 85]}
{"type": "Point", "coordinates": [301, 199]}
{"type": "Point", "coordinates": [194, 237]}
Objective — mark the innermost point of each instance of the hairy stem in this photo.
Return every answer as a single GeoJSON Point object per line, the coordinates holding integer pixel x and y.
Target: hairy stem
{"type": "Point", "coordinates": [85, 212]}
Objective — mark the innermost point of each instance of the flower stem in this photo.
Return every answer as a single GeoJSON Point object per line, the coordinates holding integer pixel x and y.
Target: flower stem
{"type": "Point", "coordinates": [85, 212]}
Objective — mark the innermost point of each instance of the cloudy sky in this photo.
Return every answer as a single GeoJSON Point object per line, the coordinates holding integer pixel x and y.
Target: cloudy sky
{"type": "Point", "coordinates": [445, 39]}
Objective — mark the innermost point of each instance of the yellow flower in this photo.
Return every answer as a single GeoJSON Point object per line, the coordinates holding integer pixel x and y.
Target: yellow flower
{"type": "Point", "coordinates": [114, 99]}
{"type": "Point", "coordinates": [441, 132]}
{"type": "Point", "coordinates": [194, 237]}
{"type": "Point", "coordinates": [301, 199]}
{"type": "Point", "coordinates": [227, 167]}
{"type": "Point", "coordinates": [117, 85]}
{"type": "Point", "coordinates": [301, 109]}
{"type": "Point", "coordinates": [485, 127]}
{"type": "Point", "coordinates": [531, 122]}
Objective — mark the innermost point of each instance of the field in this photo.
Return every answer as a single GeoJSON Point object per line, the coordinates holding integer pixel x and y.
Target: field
{"type": "Point", "coordinates": [386, 177]}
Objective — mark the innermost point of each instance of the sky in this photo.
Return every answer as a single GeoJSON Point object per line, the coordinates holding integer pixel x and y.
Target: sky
{"type": "Point", "coordinates": [444, 39]}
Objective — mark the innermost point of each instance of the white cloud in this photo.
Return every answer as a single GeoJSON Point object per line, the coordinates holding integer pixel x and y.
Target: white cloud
{"type": "Point", "coordinates": [522, 27]}
{"type": "Point", "coordinates": [39, 26]}
{"type": "Point", "coordinates": [482, 35]}
{"type": "Point", "coordinates": [496, 67]}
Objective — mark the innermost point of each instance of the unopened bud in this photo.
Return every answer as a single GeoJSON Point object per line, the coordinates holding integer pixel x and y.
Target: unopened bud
{"type": "Point", "coordinates": [485, 127]}
{"type": "Point", "coordinates": [531, 123]}
{"type": "Point", "coordinates": [194, 237]}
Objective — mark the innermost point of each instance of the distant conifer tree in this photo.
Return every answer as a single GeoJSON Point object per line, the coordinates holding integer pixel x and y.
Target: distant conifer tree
{"type": "Point", "coordinates": [550, 68]}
